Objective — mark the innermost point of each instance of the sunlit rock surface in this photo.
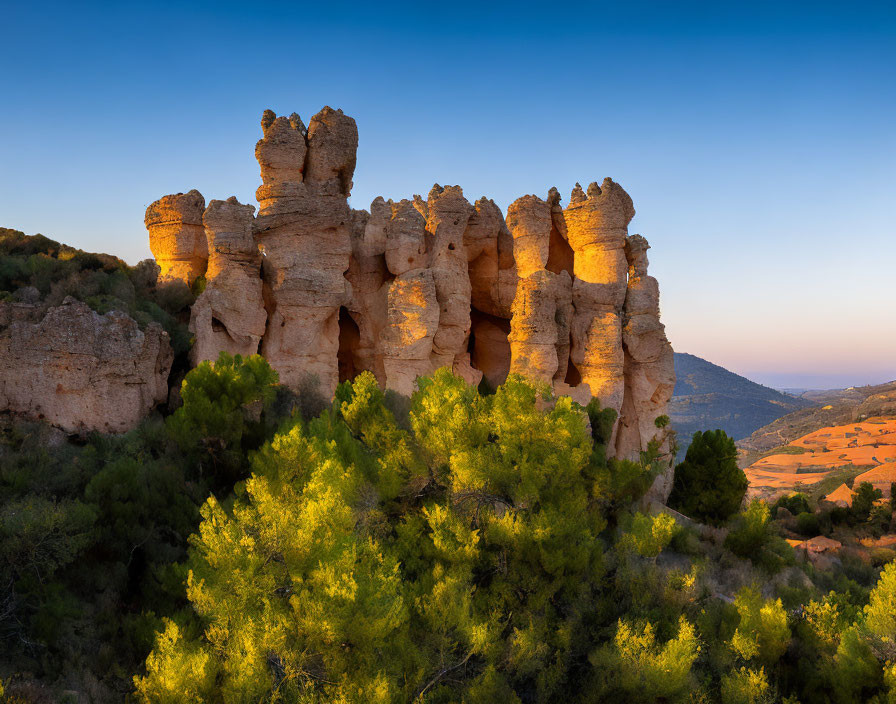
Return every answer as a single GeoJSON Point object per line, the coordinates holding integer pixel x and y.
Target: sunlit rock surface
{"type": "Point", "coordinates": [304, 228]}
{"type": "Point", "coordinates": [229, 315]}
{"type": "Point", "coordinates": [177, 237]}
{"type": "Point", "coordinates": [560, 295]}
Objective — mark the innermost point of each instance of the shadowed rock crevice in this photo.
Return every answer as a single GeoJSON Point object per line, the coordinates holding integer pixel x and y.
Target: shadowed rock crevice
{"type": "Point", "coordinates": [349, 343]}
{"type": "Point", "coordinates": [573, 378]}
{"type": "Point", "coordinates": [489, 347]}
{"type": "Point", "coordinates": [560, 254]}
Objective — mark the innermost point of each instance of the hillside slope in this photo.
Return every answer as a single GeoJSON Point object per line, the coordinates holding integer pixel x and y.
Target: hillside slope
{"type": "Point", "coordinates": [708, 396]}
{"type": "Point", "coordinates": [833, 407]}
{"type": "Point", "coordinates": [829, 462]}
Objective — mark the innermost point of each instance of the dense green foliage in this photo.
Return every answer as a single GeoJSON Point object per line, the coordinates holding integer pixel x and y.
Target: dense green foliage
{"type": "Point", "coordinates": [796, 503]}
{"type": "Point", "coordinates": [456, 548]}
{"type": "Point", "coordinates": [863, 501]}
{"type": "Point", "coordinates": [365, 562]}
{"type": "Point", "coordinates": [709, 486]}
{"type": "Point", "coordinates": [225, 414]}
{"type": "Point", "coordinates": [91, 534]}
{"type": "Point", "coordinates": [35, 269]}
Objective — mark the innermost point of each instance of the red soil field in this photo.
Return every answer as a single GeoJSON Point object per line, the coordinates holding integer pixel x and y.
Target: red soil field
{"type": "Point", "coordinates": [871, 443]}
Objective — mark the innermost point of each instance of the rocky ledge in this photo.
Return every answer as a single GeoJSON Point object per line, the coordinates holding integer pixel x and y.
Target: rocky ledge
{"type": "Point", "coordinates": [80, 370]}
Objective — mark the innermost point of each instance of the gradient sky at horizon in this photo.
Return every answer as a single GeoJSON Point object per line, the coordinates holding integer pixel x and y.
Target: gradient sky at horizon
{"type": "Point", "coordinates": [758, 140]}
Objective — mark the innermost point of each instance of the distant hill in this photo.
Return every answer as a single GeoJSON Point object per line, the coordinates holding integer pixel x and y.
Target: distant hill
{"type": "Point", "coordinates": [830, 408]}
{"type": "Point", "coordinates": [708, 396]}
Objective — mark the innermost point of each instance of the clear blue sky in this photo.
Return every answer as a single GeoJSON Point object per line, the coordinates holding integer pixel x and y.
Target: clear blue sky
{"type": "Point", "coordinates": [757, 139]}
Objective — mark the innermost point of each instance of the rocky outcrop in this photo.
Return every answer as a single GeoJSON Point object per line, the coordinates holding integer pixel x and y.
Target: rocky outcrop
{"type": "Point", "coordinates": [649, 360]}
{"type": "Point", "coordinates": [229, 315]}
{"type": "Point", "coordinates": [177, 237]}
{"type": "Point", "coordinates": [560, 295]}
{"type": "Point", "coordinates": [649, 368]}
{"type": "Point", "coordinates": [597, 224]}
{"type": "Point", "coordinates": [83, 371]}
{"type": "Point", "coordinates": [542, 306]}
{"type": "Point", "coordinates": [303, 229]}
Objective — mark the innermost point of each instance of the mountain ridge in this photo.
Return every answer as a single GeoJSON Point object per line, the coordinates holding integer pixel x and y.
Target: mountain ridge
{"type": "Point", "coordinates": [708, 396]}
{"type": "Point", "coordinates": [831, 408]}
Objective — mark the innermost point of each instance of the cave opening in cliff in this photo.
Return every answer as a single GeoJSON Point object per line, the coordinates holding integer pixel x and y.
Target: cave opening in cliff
{"type": "Point", "coordinates": [560, 254]}
{"type": "Point", "coordinates": [489, 348]}
{"type": "Point", "coordinates": [573, 375]}
{"type": "Point", "coordinates": [349, 342]}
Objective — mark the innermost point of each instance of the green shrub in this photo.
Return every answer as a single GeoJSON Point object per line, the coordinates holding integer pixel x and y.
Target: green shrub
{"type": "Point", "coordinates": [649, 535]}
{"type": "Point", "coordinates": [460, 559]}
{"type": "Point", "coordinates": [882, 556]}
{"type": "Point", "coordinates": [750, 530]}
{"type": "Point", "coordinates": [708, 485]}
{"type": "Point", "coordinates": [863, 501]}
{"type": "Point", "coordinates": [636, 668]}
{"type": "Point", "coordinates": [807, 524]}
{"type": "Point", "coordinates": [795, 503]}
{"type": "Point", "coordinates": [762, 634]}
{"type": "Point", "coordinates": [224, 413]}
{"type": "Point", "coordinates": [747, 686]}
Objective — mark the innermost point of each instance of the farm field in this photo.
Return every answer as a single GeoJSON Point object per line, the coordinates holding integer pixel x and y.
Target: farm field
{"type": "Point", "coordinates": [826, 463]}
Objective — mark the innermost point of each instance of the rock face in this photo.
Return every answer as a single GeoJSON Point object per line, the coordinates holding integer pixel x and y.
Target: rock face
{"type": "Point", "coordinates": [649, 361]}
{"type": "Point", "coordinates": [81, 370]}
{"type": "Point", "coordinates": [229, 315]}
{"type": "Point", "coordinates": [561, 296]}
{"type": "Point", "coordinates": [304, 229]}
{"type": "Point", "coordinates": [176, 236]}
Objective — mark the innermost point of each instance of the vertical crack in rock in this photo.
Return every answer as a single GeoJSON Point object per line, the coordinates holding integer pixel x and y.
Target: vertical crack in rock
{"type": "Point", "coordinates": [349, 344]}
{"type": "Point", "coordinates": [489, 347]}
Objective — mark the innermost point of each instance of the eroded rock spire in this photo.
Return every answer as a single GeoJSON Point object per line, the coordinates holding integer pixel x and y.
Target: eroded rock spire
{"type": "Point", "coordinates": [560, 295]}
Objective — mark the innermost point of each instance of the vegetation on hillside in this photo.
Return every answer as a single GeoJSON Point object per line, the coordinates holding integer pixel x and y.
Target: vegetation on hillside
{"type": "Point", "coordinates": [831, 408]}
{"type": "Point", "coordinates": [708, 485]}
{"type": "Point", "coordinates": [35, 269]}
{"type": "Point", "coordinates": [459, 547]}
{"type": "Point", "coordinates": [707, 396]}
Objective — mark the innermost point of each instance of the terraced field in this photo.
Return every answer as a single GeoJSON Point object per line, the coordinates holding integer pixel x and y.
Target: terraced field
{"type": "Point", "coordinates": [827, 462]}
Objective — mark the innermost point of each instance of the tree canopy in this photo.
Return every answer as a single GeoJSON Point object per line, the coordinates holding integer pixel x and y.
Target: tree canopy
{"type": "Point", "coordinates": [708, 485]}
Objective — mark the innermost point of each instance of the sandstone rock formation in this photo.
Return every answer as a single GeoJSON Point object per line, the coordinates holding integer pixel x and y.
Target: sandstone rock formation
{"type": "Point", "coordinates": [176, 236]}
{"type": "Point", "coordinates": [561, 296]}
{"type": "Point", "coordinates": [649, 361]}
{"type": "Point", "coordinates": [83, 371]}
{"type": "Point", "coordinates": [597, 224]}
{"type": "Point", "coordinates": [304, 230]}
{"type": "Point", "coordinates": [229, 315]}
{"type": "Point", "coordinates": [649, 366]}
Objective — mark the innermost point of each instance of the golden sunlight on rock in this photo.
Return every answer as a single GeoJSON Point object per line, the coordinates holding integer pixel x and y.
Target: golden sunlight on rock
{"type": "Point", "coordinates": [176, 236]}
{"type": "Point", "coordinates": [561, 296]}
